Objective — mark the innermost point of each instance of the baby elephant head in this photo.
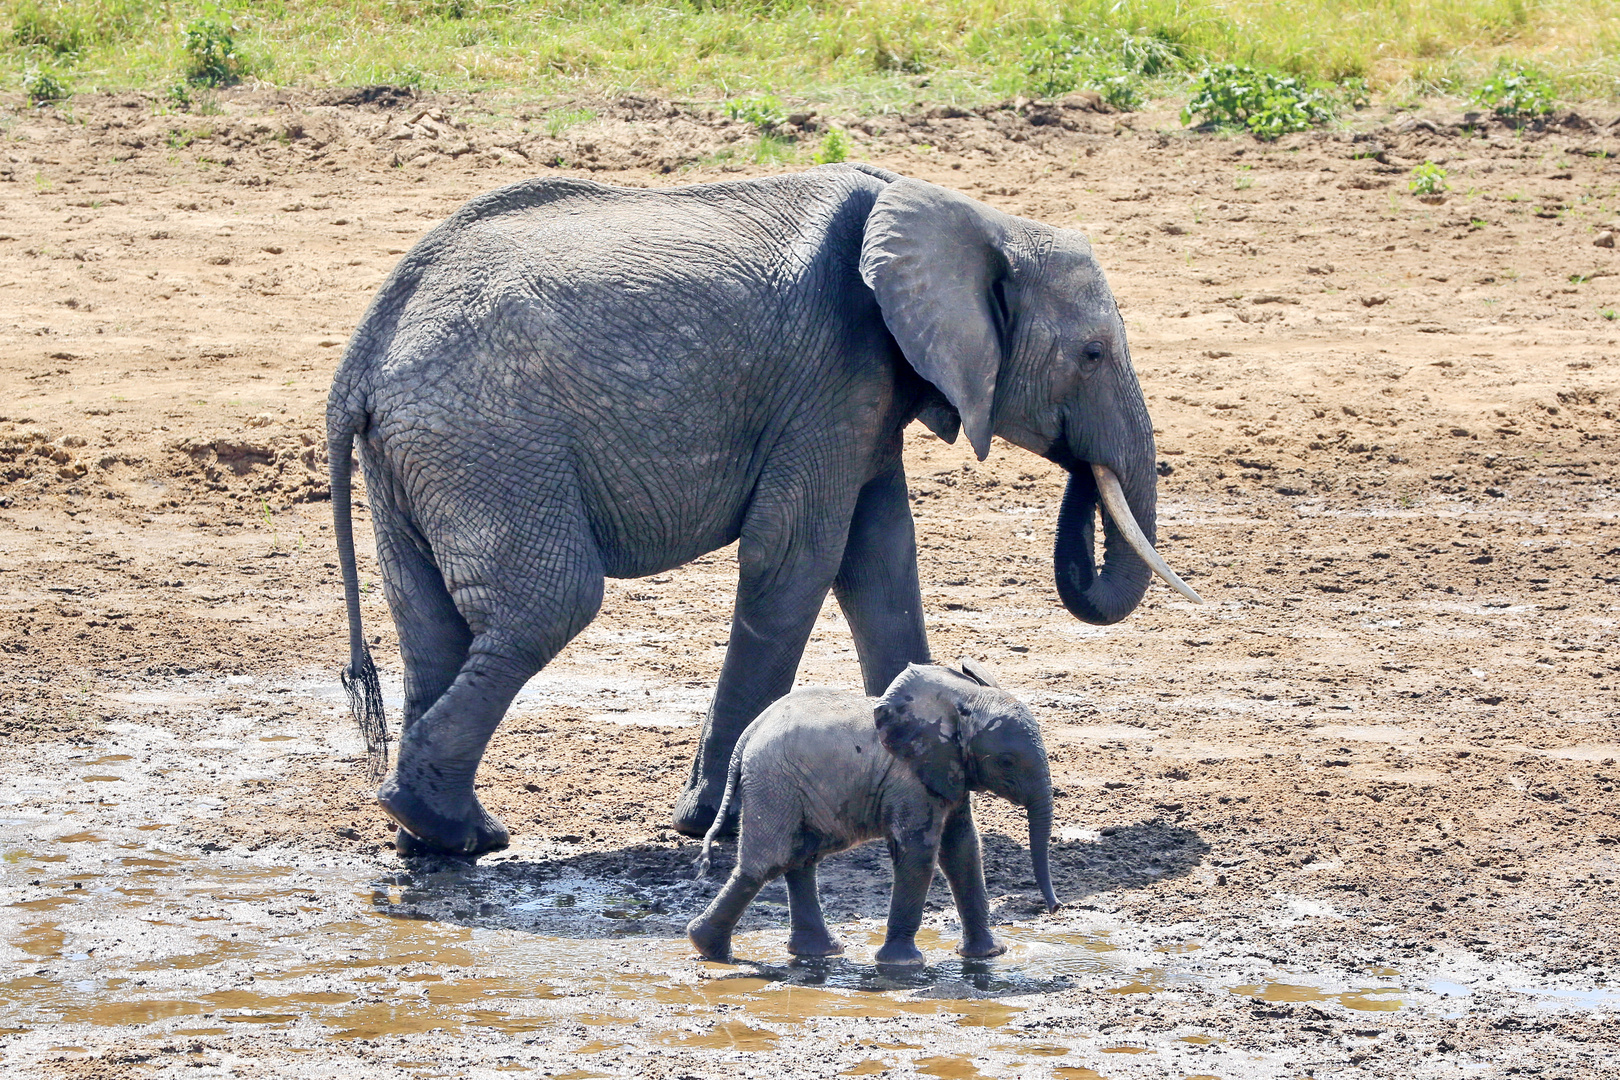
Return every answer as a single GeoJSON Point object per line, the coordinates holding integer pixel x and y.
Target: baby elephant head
{"type": "Point", "coordinates": [958, 731]}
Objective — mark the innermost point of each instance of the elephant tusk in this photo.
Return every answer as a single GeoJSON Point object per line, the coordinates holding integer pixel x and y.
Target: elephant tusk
{"type": "Point", "coordinates": [1113, 498]}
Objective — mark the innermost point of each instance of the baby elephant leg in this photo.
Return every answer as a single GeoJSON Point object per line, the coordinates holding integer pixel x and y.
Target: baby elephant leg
{"type": "Point", "coordinates": [913, 871]}
{"type": "Point", "coordinates": [710, 932]}
{"type": "Point", "coordinates": [960, 858]}
{"type": "Point", "coordinates": [810, 936]}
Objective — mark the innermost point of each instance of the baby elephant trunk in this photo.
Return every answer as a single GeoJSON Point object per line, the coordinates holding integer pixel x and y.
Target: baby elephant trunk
{"type": "Point", "coordinates": [1040, 837]}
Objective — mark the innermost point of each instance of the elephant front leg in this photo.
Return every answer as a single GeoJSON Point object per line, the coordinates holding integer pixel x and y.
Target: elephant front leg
{"type": "Point", "coordinates": [779, 594]}
{"type": "Point", "coordinates": [913, 872]}
{"type": "Point", "coordinates": [810, 936]}
{"type": "Point", "coordinates": [877, 583]}
{"type": "Point", "coordinates": [960, 858]}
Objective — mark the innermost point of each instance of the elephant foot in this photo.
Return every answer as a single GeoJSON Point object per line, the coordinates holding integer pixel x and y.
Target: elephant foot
{"type": "Point", "coordinates": [694, 814]}
{"type": "Point", "coordinates": [989, 946]}
{"type": "Point", "coordinates": [424, 831]}
{"type": "Point", "coordinates": [899, 954]}
{"type": "Point", "coordinates": [814, 943]}
{"type": "Point", "coordinates": [710, 942]}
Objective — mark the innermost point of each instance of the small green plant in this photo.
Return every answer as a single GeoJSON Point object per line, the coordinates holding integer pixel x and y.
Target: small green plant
{"type": "Point", "coordinates": [179, 97]}
{"type": "Point", "coordinates": [1427, 179]}
{"type": "Point", "coordinates": [834, 147]}
{"type": "Point", "coordinates": [211, 55]}
{"type": "Point", "coordinates": [270, 523]}
{"type": "Point", "coordinates": [771, 150]}
{"type": "Point", "coordinates": [1264, 102]}
{"type": "Point", "coordinates": [560, 120]}
{"type": "Point", "coordinates": [1119, 91]}
{"type": "Point", "coordinates": [1579, 279]}
{"type": "Point", "coordinates": [43, 87]}
{"type": "Point", "coordinates": [1609, 313]}
{"type": "Point", "coordinates": [179, 138]}
{"type": "Point", "coordinates": [764, 112]}
{"type": "Point", "coordinates": [1515, 90]}
{"type": "Point", "coordinates": [1113, 65]}
{"type": "Point", "coordinates": [1354, 93]}
{"type": "Point", "coordinates": [1245, 178]}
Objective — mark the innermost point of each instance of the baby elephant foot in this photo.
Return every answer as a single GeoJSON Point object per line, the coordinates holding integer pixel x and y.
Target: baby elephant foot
{"type": "Point", "coordinates": [710, 942]}
{"type": "Point", "coordinates": [979, 948]}
{"type": "Point", "coordinates": [424, 831]}
{"type": "Point", "coordinates": [899, 954]}
{"type": "Point", "coordinates": [814, 943]}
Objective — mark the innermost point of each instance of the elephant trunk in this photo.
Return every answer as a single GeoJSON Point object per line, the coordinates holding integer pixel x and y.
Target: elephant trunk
{"type": "Point", "coordinates": [1108, 595]}
{"type": "Point", "coordinates": [1105, 596]}
{"type": "Point", "coordinates": [1040, 838]}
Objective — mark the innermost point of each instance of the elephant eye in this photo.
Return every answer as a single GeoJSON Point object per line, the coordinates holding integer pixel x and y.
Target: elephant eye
{"type": "Point", "coordinates": [1092, 355]}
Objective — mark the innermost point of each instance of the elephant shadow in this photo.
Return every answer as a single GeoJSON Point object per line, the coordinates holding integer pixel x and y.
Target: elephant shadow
{"type": "Point", "coordinates": [651, 890]}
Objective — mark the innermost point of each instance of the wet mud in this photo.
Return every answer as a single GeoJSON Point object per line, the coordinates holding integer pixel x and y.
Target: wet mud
{"type": "Point", "coordinates": [1353, 817]}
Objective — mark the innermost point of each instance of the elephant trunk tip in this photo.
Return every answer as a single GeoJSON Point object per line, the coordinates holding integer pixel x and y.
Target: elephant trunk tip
{"type": "Point", "coordinates": [1040, 836]}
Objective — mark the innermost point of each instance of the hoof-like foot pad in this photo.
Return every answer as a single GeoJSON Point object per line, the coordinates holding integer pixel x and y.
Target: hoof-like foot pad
{"type": "Point", "coordinates": [815, 945]}
{"type": "Point", "coordinates": [891, 955]}
{"type": "Point", "coordinates": [423, 831]}
{"type": "Point", "coordinates": [709, 943]}
{"type": "Point", "coordinates": [982, 950]}
{"type": "Point", "coordinates": [692, 815]}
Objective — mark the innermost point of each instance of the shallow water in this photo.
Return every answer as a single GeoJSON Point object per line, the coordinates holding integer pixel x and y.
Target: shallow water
{"type": "Point", "coordinates": [110, 933]}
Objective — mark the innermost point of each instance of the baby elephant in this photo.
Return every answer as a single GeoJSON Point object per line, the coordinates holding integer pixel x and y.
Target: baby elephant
{"type": "Point", "coordinates": [823, 770]}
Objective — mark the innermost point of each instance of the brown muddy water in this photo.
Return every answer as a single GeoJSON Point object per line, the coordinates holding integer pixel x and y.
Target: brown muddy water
{"type": "Point", "coordinates": [124, 929]}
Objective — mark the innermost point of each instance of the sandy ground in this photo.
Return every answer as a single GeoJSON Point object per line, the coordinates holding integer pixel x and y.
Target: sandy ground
{"type": "Point", "coordinates": [1354, 816]}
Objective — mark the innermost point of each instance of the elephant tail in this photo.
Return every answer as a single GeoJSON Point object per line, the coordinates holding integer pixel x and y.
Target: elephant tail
{"type": "Point", "coordinates": [360, 681]}
{"type": "Point", "coordinates": [733, 778]}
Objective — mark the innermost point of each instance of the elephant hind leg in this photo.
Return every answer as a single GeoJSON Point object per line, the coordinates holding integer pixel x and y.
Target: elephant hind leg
{"type": "Point", "coordinates": [710, 933]}
{"type": "Point", "coordinates": [434, 639]}
{"type": "Point", "coordinates": [515, 629]}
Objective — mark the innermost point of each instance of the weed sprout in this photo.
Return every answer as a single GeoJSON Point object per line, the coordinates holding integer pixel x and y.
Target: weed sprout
{"type": "Point", "coordinates": [834, 147]}
{"type": "Point", "coordinates": [1428, 179]}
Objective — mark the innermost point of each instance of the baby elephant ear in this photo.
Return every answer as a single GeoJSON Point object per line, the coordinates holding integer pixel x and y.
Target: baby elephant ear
{"type": "Point", "coordinates": [925, 745]}
{"type": "Point", "coordinates": [977, 672]}
{"type": "Point", "coordinates": [935, 260]}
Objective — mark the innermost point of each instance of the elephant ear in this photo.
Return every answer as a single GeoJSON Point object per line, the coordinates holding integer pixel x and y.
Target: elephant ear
{"type": "Point", "coordinates": [920, 728]}
{"type": "Point", "coordinates": [977, 672]}
{"type": "Point", "coordinates": [937, 261]}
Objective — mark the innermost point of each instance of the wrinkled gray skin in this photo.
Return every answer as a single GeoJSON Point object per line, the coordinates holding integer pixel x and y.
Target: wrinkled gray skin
{"type": "Point", "coordinates": [823, 770]}
{"type": "Point", "coordinates": [567, 381]}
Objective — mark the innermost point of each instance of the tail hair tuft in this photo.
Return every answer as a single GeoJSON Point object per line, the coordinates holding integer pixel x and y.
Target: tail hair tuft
{"type": "Point", "coordinates": [364, 689]}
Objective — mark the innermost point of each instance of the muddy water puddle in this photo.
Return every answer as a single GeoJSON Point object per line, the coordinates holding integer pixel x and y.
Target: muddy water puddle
{"type": "Point", "coordinates": [117, 921]}
{"type": "Point", "coordinates": [166, 940]}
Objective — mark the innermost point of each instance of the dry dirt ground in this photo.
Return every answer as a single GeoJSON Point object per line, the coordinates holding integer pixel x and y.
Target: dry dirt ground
{"type": "Point", "coordinates": [1354, 816]}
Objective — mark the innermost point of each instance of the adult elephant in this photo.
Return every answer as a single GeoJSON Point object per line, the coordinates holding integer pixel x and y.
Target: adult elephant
{"type": "Point", "coordinates": [567, 381]}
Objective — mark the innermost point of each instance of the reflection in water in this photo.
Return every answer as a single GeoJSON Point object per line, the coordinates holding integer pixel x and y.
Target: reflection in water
{"type": "Point", "coordinates": [1361, 1000]}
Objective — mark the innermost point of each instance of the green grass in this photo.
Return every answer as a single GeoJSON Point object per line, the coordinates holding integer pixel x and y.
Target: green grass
{"type": "Point", "coordinates": [857, 54]}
